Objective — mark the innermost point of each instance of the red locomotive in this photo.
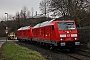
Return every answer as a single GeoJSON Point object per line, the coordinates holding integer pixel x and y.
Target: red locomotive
{"type": "Point", "coordinates": [24, 33]}
{"type": "Point", "coordinates": [57, 33]}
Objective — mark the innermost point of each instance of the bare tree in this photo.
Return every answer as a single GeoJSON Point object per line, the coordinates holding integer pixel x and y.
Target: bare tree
{"type": "Point", "coordinates": [44, 5]}
{"type": "Point", "coordinates": [25, 13]}
{"type": "Point", "coordinates": [21, 14]}
{"type": "Point", "coordinates": [74, 8]}
{"type": "Point", "coordinates": [67, 7]}
{"type": "Point", "coordinates": [11, 17]}
{"type": "Point", "coordinates": [28, 14]}
{"type": "Point", "coordinates": [3, 18]}
{"type": "Point", "coordinates": [32, 10]}
{"type": "Point", "coordinates": [18, 19]}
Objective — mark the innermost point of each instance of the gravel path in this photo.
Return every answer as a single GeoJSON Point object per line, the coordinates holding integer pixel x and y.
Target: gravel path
{"type": "Point", "coordinates": [1, 43]}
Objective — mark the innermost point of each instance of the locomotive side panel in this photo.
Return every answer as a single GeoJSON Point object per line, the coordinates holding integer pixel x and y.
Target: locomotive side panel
{"type": "Point", "coordinates": [41, 33]}
{"type": "Point", "coordinates": [30, 32]}
{"type": "Point", "coordinates": [47, 32]}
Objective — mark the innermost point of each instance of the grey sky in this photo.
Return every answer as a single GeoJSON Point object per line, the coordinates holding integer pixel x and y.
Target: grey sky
{"type": "Point", "coordinates": [12, 6]}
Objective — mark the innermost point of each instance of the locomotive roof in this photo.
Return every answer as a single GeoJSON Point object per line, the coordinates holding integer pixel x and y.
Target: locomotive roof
{"type": "Point", "coordinates": [24, 28]}
{"type": "Point", "coordinates": [46, 23]}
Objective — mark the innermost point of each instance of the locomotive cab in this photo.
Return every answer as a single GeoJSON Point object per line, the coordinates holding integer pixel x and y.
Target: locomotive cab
{"type": "Point", "coordinates": [68, 34]}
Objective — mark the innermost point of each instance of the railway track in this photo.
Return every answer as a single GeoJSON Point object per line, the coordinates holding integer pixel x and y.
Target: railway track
{"type": "Point", "coordinates": [79, 55]}
{"type": "Point", "coordinates": [84, 53]}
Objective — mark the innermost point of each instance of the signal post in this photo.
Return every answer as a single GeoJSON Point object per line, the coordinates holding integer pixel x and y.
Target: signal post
{"type": "Point", "coordinates": [6, 31]}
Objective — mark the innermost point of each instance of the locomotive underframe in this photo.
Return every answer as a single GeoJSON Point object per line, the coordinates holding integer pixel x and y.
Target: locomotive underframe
{"type": "Point", "coordinates": [69, 44]}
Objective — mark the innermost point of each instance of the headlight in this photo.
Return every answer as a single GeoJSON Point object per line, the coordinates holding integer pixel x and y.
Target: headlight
{"type": "Point", "coordinates": [75, 38]}
{"type": "Point", "coordinates": [73, 35]}
{"type": "Point", "coordinates": [62, 35]}
{"type": "Point", "coordinates": [61, 39]}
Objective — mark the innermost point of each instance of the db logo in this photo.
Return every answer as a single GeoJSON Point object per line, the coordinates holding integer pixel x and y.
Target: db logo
{"type": "Point", "coordinates": [68, 35]}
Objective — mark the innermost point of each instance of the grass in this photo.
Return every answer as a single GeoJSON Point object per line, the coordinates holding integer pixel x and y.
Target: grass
{"type": "Point", "coordinates": [12, 51]}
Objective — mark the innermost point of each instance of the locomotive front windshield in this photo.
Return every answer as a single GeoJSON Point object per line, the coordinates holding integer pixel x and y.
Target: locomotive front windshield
{"type": "Point", "coordinates": [66, 25]}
